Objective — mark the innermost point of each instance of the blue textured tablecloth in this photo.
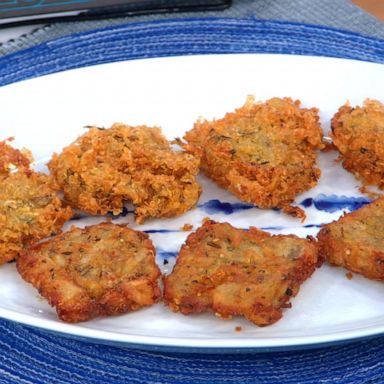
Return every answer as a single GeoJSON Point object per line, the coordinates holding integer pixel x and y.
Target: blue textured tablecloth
{"type": "Point", "coordinates": [34, 356]}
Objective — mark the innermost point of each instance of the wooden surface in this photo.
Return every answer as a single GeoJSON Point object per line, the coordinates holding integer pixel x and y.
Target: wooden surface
{"type": "Point", "coordinates": [375, 7]}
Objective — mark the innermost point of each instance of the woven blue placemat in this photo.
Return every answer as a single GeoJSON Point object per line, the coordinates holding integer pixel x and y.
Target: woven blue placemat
{"type": "Point", "coordinates": [34, 356]}
{"type": "Point", "coordinates": [185, 37]}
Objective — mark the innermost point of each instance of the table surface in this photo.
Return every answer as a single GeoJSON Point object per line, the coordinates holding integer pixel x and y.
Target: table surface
{"type": "Point", "coordinates": [375, 7]}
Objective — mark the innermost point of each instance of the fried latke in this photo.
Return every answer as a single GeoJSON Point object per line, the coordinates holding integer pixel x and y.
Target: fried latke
{"type": "Point", "coordinates": [101, 270]}
{"type": "Point", "coordinates": [264, 153]}
{"type": "Point", "coordinates": [356, 241]}
{"type": "Point", "coordinates": [358, 134]}
{"type": "Point", "coordinates": [30, 209]}
{"type": "Point", "coordinates": [235, 272]}
{"type": "Point", "coordinates": [106, 167]}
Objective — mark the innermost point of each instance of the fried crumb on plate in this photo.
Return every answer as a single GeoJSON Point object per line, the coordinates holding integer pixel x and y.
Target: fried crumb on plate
{"type": "Point", "coordinates": [349, 275]}
{"type": "Point", "coordinates": [187, 227]}
{"type": "Point", "coordinates": [233, 272]}
{"type": "Point", "coordinates": [356, 241]}
{"type": "Point", "coordinates": [30, 209]}
{"type": "Point", "coordinates": [104, 168]}
{"type": "Point", "coordinates": [264, 153]}
{"type": "Point", "coordinates": [358, 134]}
{"type": "Point", "coordinates": [100, 270]}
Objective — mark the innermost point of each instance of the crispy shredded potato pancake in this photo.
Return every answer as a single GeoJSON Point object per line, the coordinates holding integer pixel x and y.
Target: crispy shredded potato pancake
{"type": "Point", "coordinates": [30, 209]}
{"type": "Point", "coordinates": [101, 270]}
{"type": "Point", "coordinates": [356, 241]}
{"type": "Point", "coordinates": [358, 133]}
{"type": "Point", "coordinates": [235, 272]}
{"type": "Point", "coordinates": [264, 153]}
{"type": "Point", "coordinates": [106, 167]}
{"type": "Point", "coordinates": [12, 158]}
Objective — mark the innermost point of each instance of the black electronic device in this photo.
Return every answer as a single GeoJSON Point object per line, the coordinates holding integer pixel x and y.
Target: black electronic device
{"type": "Point", "coordinates": [39, 11]}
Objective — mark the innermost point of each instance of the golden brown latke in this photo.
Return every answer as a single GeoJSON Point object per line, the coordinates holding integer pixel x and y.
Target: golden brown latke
{"type": "Point", "coordinates": [105, 167]}
{"type": "Point", "coordinates": [356, 241]}
{"type": "Point", "coordinates": [101, 270]}
{"type": "Point", "coordinates": [29, 207]}
{"type": "Point", "coordinates": [237, 272]}
{"type": "Point", "coordinates": [264, 153]}
{"type": "Point", "coordinates": [12, 157]}
{"type": "Point", "coordinates": [30, 210]}
{"type": "Point", "coordinates": [358, 133]}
